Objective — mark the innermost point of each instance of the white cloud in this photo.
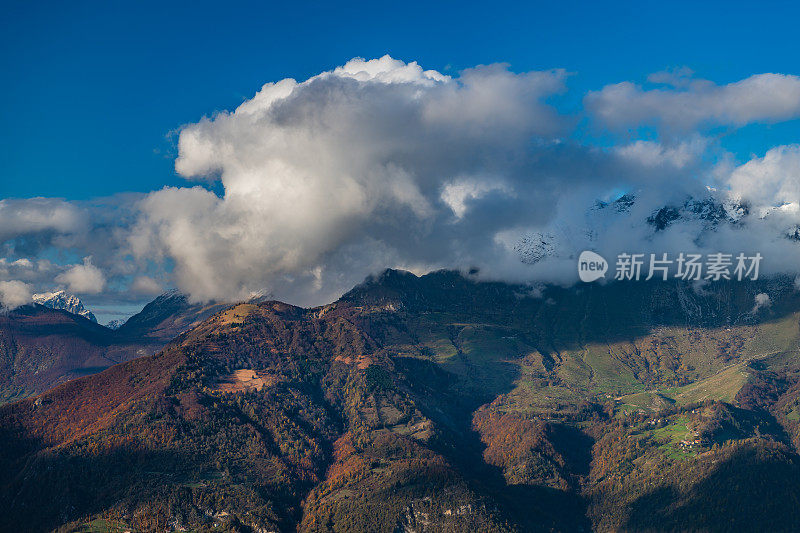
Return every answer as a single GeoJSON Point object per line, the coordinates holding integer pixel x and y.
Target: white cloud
{"type": "Point", "coordinates": [14, 293]}
{"type": "Point", "coordinates": [380, 163]}
{"type": "Point", "coordinates": [83, 279]}
{"type": "Point", "coordinates": [653, 154]}
{"type": "Point", "coordinates": [146, 286]}
{"type": "Point", "coordinates": [765, 98]}
{"type": "Point", "coordinates": [458, 193]}
{"type": "Point", "coordinates": [365, 158]}
{"type": "Point", "coordinates": [769, 182]}
{"type": "Point", "coordinates": [35, 215]}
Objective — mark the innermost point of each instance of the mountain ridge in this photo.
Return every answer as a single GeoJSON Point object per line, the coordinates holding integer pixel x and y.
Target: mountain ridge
{"type": "Point", "coordinates": [429, 403]}
{"type": "Point", "coordinates": [41, 347]}
{"type": "Point", "coordinates": [65, 302]}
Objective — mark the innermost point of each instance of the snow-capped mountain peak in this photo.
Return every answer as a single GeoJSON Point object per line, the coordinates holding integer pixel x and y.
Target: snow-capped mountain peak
{"type": "Point", "coordinates": [65, 302]}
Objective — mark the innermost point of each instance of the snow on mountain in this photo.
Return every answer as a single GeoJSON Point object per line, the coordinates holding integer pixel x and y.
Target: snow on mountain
{"type": "Point", "coordinates": [65, 302]}
{"type": "Point", "coordinates": [567, 237]}
{"type": "Point", "coordinates": [115, 324]}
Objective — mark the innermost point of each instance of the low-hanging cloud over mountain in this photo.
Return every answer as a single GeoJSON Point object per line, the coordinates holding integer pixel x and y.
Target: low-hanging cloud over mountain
{"type": "Point", "coordinates": [367, 165]}
{"type": "Point", "coordinates": [83, 278]}
{"type": "Point", "coordinates": [381, 163]}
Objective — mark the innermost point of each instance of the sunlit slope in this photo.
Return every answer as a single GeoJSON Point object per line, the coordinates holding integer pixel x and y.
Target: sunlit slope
{"type": "Point", "coordinates": [430, 403]}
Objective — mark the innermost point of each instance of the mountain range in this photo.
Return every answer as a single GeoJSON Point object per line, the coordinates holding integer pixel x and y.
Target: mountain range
{"type": "Point", "coordinates": [432, 403]}
{"type": "Point", "coordinates": [699, 216]}
{"type": "Point", "coordinates": [44, 344]}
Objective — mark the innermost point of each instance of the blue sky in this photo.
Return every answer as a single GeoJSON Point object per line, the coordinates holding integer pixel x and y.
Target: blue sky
{"type": "Point", "coordinates": [115, 187]}
{"type": "Point", "coordinates": [93, 90]}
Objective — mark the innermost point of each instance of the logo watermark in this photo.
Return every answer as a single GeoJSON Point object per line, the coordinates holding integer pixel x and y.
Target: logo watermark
{"type": "Point", "coordinates": [691, 267]}
{"type": "Point", "coordinates": [591, 266]}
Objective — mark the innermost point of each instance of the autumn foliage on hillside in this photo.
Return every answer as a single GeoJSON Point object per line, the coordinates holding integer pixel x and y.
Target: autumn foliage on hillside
{"type": "Point", "coordinates": [428, 404]}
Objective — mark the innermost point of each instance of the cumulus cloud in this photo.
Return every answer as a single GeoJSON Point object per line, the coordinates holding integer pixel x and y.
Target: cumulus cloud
{"type": "Point", "coordinates": [14, 294]}
{"type": "Point", "coordinates": [83, 278]}
{"type": "Point", "coordinates": [381, 163]}
{"type": "Point", "coordinates": [765, 98]}
{"type": "Point", "coordinates": [309, 186]}
{"type": "Point", "coordinates": [379, 158]}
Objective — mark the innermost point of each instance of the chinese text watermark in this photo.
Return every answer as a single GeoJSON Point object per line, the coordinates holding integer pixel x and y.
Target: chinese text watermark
{"type": "Point", "coordinates": [684, 266]}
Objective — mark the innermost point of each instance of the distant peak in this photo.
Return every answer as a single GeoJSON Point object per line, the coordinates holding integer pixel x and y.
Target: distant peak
{"type": "Point", "coordinates": [60, 300]}
{"type": "Point", "coordinates": [51, 294]}
{"type": "Point", "coordinates": [115, 324]}
{"type": "Point", "coordinates": [259, 296]}
{"type": "Point", "coordinates": [172, 294]}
